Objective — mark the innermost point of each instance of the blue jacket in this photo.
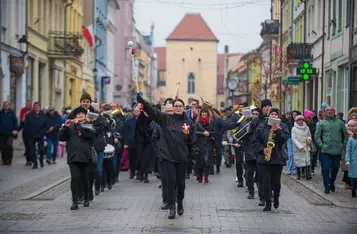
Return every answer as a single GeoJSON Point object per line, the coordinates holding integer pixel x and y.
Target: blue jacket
{"type": "Point", "coordinates": [55, 122]}
{"type": "Point", "coordinates": [8, 122]}
{"type": "Point", "coordinates": [129, 130]}
{"type": "Point", "coordinates": [351, 156]}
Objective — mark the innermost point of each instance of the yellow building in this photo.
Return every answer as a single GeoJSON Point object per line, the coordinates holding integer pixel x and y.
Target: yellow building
{"type": "Point", "coordinates": [55, 50]}
{"type": "Point", "coordinates": [74, 77]}
{"type": "Point", "coordinates": [191, 60]}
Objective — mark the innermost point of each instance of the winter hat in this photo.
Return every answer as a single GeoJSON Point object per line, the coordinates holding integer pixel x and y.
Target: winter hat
{"type": "Point", "coordinates": [86, 96]}
{"type": "Point", "coordinates": [265, 102]}
{"type": "Point", "coordinates": [299, 117]}
{"type": "Point", "coordinates": [352, 112]}
{"type": "Point", "coordinates": [307, 113]}
{"type": "Point", "coordinates": [229, 108]}
{"type": "Point", "coordinates": [276, 110]}
{"type": "Point", "coordinates": [77, 111]}
{"type": "Point", "coordinates": [324, 105]}
{"type": "Point", "coordinates": [235, 107]}
{"type": "Point", "coordinates": [168, 100]}
{"type": "Point", "coordinates": [258, 110]}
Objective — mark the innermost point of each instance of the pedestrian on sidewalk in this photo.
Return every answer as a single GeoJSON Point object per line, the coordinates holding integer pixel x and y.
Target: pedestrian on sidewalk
{"type": "Point", "coordinates": [311, 122]}
{"type": "Point", "coordinates": [79, 150]}
{"type": "Point", "coordinates": [26, 137]}
{"type": "Point", "coordinates": [36, 123]}
{"type": "Point", "coordinates": [291, 168]}
{"type": "Point", "coordinates": [302, 140]}
{"type": "Point", "coordinates": [8, 131]}
{"type": "Point", "coordinates": [351, 156]}
{"type": "Point", "coordinates": [330, 136]}
{"type": "Point", "coordinates": [178, 144]}
{"type": "Point", "coordinates": [53, 124]}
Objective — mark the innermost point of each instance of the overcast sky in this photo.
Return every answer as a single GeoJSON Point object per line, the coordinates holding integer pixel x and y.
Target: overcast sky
{"type": "Point", "coordinates": [235, 23]}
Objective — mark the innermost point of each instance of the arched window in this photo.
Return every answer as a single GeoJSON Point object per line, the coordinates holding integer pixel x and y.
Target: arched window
{"type": "Point", "coordinates": [191, 83]}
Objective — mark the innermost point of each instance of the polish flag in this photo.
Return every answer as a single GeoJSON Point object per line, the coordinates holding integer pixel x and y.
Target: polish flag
{"type": "Point", "coordinates": [89, 35]}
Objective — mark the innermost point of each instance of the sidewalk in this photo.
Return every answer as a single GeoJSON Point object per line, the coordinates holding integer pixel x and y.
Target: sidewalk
{"type": "Point", "coordinates": [19, 182]}
{"type": "Point", "coordinates": [340, 198]}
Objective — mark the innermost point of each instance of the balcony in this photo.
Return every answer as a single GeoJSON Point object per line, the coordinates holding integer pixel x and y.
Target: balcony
{"type": "Point", "coordinates": [63, 45]}
{"type": "Point", "coordinates": [299, 51]}
{"type": "Point", "coordinates": [270, 29]}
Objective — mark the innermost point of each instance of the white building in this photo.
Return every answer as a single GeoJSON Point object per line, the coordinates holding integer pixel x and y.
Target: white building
{"type": "Point", "coordinates": [313, 36]}
{"type": "Point", "coordinates": [336, 74]}
{"type": "Point", "coordinates": [113, 6]}
{"type": "Point", "coordinates": [13, 25]}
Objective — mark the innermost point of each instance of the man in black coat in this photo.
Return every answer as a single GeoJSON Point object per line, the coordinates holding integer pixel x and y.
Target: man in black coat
{"type": "Point", "coordinates": [8, 127]}
{"type": "Point", "coordinates": [36, 124]}
{"type": "Point", "coordinates": [53, 124]}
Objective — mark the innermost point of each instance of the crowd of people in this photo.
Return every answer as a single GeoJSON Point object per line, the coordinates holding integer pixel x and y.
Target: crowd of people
{"type": "Point", "coordinates": [174, 141]}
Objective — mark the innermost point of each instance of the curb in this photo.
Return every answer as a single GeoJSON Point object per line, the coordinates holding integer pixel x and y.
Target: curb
{"type": "Point", "coordinates": [45, 189]}
{"type": "Point", "coordinates": [322, 194]}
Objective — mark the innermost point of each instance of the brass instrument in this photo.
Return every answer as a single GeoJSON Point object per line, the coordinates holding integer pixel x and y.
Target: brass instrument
{"type": "Point", "coordinates": [110, 115]}
{"type": "Point", "coordinates": [246, 113]}
{"type": "Point", "coordinates": [237, 133]}
{"type": "Point", "coordinates": [116, 112]}
{"type": "Point", "coordinates": [270, 145]}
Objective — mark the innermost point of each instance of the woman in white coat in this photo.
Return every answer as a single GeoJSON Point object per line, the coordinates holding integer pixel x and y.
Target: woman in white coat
{"type": "Point", "coordinates": [301, 138]}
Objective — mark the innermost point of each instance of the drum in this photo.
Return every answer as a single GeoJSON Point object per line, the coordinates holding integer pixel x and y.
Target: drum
{"type": "Point", "coordinates": [109, 151]}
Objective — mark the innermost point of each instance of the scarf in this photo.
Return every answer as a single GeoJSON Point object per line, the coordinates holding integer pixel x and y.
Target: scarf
{"type": "Point", "coordinates": [204, 120]}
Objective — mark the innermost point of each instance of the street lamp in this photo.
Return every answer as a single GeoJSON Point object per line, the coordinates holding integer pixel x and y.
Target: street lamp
{"type": "Point", "coordinates": [23, 45]}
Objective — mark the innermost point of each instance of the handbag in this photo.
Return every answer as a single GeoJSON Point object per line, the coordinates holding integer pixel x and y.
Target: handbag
{"type": "Point", "coordinates": [284, 151]}
{"type": "Point", "coordinates": [313, 148]}
{"type": "Point", "coordinates": [94, 156]}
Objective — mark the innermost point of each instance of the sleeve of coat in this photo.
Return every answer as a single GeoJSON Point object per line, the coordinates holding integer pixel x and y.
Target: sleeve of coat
{"type": "Point", "coordinates": [192, 144]}
{"type": "Point", "coordinates": [282, 135]}
{"type": "Point", "coordinates": [295, 140]}
{"type": "Point", "coordinates": [318, 135]}
{"type": "Point", "coordinates": [63, 134]}
{"type": "Point", "coordinates": [156, 115]}
{"type": "Point", "coordinates": [348, 151]}
{"type": "Point", "coordinates": [345, 134]}
{"type": "Point", "coordinates": [232, 122]}
{"type": "Point", "coordinates": [125, 132]}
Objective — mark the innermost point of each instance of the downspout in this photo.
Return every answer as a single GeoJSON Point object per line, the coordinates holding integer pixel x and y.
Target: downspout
{"type": "Point", "coordinates": [352, 6]}
{"type": "Point", "coordinates": [27, 49]}
{"type": "Point", "coordinates": [281, 101]}
{"type": "Point", "coordinates": [65, 61]}
{"type": "Point", "coordinates": [323, 48]}
{"type": "Point", "coordinates": [304, 84]}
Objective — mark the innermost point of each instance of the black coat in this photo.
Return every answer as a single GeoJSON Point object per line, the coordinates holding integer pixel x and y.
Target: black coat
{"type": "Point", "coordinates": [35, 124]}
{"type": "Point", "coordinates": [143, 131]}
{"type": "Point", "coordinates": [174, 145]}
{"type": "Point", "coordinates": [55, 122]}
{"type": "Point", "coordinates": [261, 135]}
{"type": "Point", "coordinates": [247, 141]}
{"type": "Point", "coordinates": [219, 129]}
{"type": "Point", "coordinates": [290, 124]}
{"type": "Point", "coordinates": [79, 143]}
{"type": "Point", "coordinates": [202, 140]}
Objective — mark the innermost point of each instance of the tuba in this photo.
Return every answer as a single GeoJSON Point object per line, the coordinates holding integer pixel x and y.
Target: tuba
{"type": "Point", "coordinates": [116, 112]}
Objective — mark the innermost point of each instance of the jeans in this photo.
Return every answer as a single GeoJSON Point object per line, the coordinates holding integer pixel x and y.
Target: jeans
{"type": "Point", "coordinates": [330, 165]}
{"type": "Point", "coordinates": [100, 155]}
{"type": "Point", "coordinates": [291, 169]}
{"type": "Point", "coordinates": [52, 142]}
{"type": "Point", "coordinates": [40, 144]}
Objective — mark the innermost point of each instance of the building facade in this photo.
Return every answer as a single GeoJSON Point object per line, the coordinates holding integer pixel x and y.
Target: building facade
{"type": "Point", "coordinates": [353, 52]}
{"type": "Point", "coordinates": [191, 60]}
{"type": "Point", "coordinates": [161, 74]}
{"type": "Point", "coordinates": [13, 77]}
{"type": "Point", "coordinates": [123, 62]}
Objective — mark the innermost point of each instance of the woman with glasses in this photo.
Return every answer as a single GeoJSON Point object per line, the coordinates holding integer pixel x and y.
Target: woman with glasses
{"type": "Point", "coordinates": [177, 147]}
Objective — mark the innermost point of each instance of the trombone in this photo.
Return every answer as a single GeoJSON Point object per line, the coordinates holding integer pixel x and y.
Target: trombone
{"type": "Point", "coordinates": [240, 130]}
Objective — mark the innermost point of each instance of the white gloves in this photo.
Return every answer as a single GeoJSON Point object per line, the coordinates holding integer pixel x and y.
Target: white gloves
{"type": "Point", "coordinates": [347, 163]}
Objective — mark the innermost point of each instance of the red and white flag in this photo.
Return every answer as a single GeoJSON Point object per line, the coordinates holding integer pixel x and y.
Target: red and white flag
{"type": "Point", "coordinates": [89, 35]}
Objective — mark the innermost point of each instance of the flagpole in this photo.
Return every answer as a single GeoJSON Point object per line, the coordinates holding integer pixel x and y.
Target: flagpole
{"type": "Point", "coordinates": [134, 70]}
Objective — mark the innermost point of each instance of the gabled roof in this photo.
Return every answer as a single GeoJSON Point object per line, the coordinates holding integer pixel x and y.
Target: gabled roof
{"type": "Point", "coordinates": [161, 58]}
{"type": "Point", "coordinates": [192, 28]}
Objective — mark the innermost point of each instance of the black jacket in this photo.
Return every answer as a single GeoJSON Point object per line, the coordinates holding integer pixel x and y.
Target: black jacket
{"type": "Point", "coordinates": [233, 121]}
{"type": "Point", "coordinates": [79, 143]}
{"type": "Point", "coordinates": [143, 131]}
{"type": "Point", "coordinates": [290, 124]}
{"type": "Point", "coordinates": [202, 140]}
{"type": "Point", "coordinates": [55, 122]}
{"type": "Point", "coordinates": [247, 141]}
{"type": "Point", "coordinates": [174, 145]}
{"type": "Point", "coordinates": [261, 135]}
{"type": "Point", "coordinates": [219, 129]}
{"type": "Point", "coordinates": [35, 124]}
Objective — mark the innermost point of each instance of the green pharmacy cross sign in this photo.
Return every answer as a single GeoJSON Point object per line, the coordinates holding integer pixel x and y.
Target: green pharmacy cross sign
{"type": "Point", "coordinates": [306, 70]}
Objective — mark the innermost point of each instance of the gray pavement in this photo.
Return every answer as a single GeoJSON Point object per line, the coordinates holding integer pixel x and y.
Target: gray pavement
{"type": "Point", "coordinates": [219, 207]}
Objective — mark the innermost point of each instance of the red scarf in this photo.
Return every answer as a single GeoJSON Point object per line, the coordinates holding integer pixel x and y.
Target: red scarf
{"type": "Point", "coordinates": [204, 120]}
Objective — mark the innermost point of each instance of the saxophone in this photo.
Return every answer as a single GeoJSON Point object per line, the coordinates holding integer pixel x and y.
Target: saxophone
{"type": "Point", "coordinates": [270, 145]}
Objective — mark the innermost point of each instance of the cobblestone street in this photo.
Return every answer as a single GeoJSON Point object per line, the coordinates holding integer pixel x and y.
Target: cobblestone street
{"type": "Point", "coordinates": [134, 207]}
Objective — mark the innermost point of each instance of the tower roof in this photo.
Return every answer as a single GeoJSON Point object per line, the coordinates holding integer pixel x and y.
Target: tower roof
{"type": "Point", "coordinates": [192, 27]}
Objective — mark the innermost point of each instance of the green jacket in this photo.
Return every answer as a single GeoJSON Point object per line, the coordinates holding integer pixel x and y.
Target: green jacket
{"type": "Point", "coordinates": [331, 135]}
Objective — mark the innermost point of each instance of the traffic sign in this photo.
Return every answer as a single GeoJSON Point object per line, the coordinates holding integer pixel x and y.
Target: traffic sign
{"type": "Point", "coordinates": [294, 80]}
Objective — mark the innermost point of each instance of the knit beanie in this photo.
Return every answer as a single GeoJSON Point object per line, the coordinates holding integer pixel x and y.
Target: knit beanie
{"type": "Point", "coordinates": [276, 110]}
{"type": "Point", "coordinates": [229, 108]}
{"type": "Point", "coordinates": [307, 113]}
{"type": "Point", "coordinates": [258, 110]}
{"type": "Point", "coordinates": [86, 96]}
{"type": "Point", "coordinates": [265, 102]}
{"type": "Point", "coordinates": [76, 111]}
{"type": "Point", "coordinates": [299, 117]}
{"type": "Point", "coordinates": [324, 105]}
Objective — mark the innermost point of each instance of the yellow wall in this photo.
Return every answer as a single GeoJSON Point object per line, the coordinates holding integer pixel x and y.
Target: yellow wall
{"type": "Point", "coordinates": [205, 71]}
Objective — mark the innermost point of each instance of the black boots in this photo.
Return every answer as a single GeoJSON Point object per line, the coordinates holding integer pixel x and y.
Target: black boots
{"type": "Point", "coordinates": [251, 195]}
{"type": "Point", "coordinates": [276, 202]}
{"type": "Point", "coordinates": [165, 206]}
{"type": "Point", "coordinates": [172, 213]}
{"type": "Point", "coordinates": [146, 180]}
{"type": "Point", "coordinates": [74, 205]}
{"type": "Point", "coordinates": [308, 175]}
{"type": "Point", "coordinates": [353, 193]}
{"type": "Point", "coordinates": [298, 174]}
{"type": "Point", "coordinates": [261, 202]}
{"type": "Point", "coordinates": [267, 206]}
{"type": "Point", "coordinates": [86, 203]}
{"type": "Point", "coordinates": [180, 208]}
{"type": "Point", "coordinates": [240, 184]}
{"type": "Point", "coordinates": [218, 171]}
